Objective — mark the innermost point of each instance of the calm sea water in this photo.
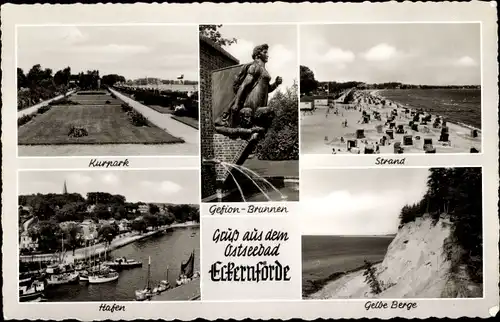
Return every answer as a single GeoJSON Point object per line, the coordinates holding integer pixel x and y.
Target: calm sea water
{"type": "Point", "coordinates": [169, 250]}
{"type": "Point", "coordinates": [325, 255]}
{"type": "Point", "coordinates": [459, 105]}
{"type": "Point", "coordinates": [172, 87]}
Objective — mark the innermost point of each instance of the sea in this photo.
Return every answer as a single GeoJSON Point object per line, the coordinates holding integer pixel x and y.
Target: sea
{"type": "Point", "coordinates": [167, 250]}
{"type": "Point", "coordinates": [457, 105]}
{"type": "Point", "coordinates": [171, 87]}
{"type": "Point", "coordinates": [323, 256]}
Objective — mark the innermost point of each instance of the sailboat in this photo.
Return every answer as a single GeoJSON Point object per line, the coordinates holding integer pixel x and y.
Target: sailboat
{"type": "Point", "coordinates": [103, 274]}
{"type": "Point", "coordinates": [163, 286]}
{"type": "Point", "coordinates": [146, 293]}
{"type": "Point", "coordinates": [59, 273]}
{"type": "Point", "coordinates": [187, 271]}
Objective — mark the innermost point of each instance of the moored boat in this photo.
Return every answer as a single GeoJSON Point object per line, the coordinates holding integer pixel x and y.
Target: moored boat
{"type": "Point", "coordinates": [122, 263]}
{"type": "Point", "coordinates": [147, 292]}
{"type": "Point", "coordinates": [31, 292]}
{"type": "Point", "coordinates": [187, 271]}
{"type": "Point", "coordinates": [163, 285]}
{"type": "Point", "coordinates": [63, 278]}
{"type": "Point", "coordinates": [103, 276]}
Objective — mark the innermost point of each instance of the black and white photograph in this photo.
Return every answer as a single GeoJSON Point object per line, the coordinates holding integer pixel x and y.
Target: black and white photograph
{"type": "Point", "coordinates": [249, 113]}
{"type": "Point", "coordinates": [392, 233]}
{"type": "Point", "coordinates": [109, 236]}
{"type": "Point", "coordinates": [107, 90]}
{"type": "Point", "coordinates": [390, 88]}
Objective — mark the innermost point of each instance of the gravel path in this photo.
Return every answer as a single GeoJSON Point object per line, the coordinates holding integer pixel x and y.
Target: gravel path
{"type": "Point", "coordinates": [163, 121]}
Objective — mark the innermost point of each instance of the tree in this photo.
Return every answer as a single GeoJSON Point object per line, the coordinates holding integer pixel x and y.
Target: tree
{"type": "Point", "coordinates": [43, 210]}
{"type": "Point", "coordinates": [107, 233]}
{"type": "Point", "coordinates": [308, 83]}
{"type": "Point", "coordinates": [139, 225]}
{"type": "Point", "coordinates": [73, 234]}
{"type": "Point", "coordinates": [112, 79]}
{"type": "Point", "coordinates": [62, 77]}
{"type": "Point", "coordinates": [101, 211]}
{"type": "Point", "coordinates": [153, 209]}
{"type": "Point", "coordinates": [151, 221]}
{"type": "Point", "coordinates": [48, 234]}
{"type": "Point", "coordinates": [282, 139]}
{"type": "Point", "coordinates": [22, 81]}
{"type": "Point", "coordinates": [212, 32]}
{"type": "Point", "coordinates": [119, 212]}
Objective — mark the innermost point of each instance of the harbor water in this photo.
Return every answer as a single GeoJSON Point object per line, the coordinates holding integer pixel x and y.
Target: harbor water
{"type": "Point", "coordinates": [166, 250]}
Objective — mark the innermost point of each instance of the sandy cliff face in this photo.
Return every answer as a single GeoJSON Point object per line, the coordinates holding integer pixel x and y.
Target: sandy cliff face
{"type": "Point", "coordinates": [416, 266]}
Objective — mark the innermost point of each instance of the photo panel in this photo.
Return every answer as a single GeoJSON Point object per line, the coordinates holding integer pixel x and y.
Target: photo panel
{"type": "Point", "coordinates": [93, 236]}
{"type": "Point", "coordinates": [114, 90]}
{"type": "Point", "coordinates": [390, 88]}
{"type": "Point", "coordinates": [401, 233]}
{"type": "Point", "coordinates": [249, 113]}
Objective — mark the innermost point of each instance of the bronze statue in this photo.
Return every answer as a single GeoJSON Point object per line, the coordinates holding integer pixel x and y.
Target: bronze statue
{"type": "Point", "coordinates": [248, 112]}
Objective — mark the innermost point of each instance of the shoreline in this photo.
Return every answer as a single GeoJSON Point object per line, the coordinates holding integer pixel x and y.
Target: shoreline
{"type": "Point", "coordinates": [379, 93]}
{"type": "Point", "coordinates": [98, 249]}
{"type": "Point", "coordinates": [314, 286]}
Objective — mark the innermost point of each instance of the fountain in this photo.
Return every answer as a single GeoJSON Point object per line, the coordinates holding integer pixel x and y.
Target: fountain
{"type": "Point", "coordinates": [262, 184]}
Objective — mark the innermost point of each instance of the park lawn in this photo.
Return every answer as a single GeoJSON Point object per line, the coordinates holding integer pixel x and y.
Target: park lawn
{"type": "Point", "coordinates": [106, 124]}
{"type": "Point", "coordinates": [194, 123]}
{"type": "Point", "coordinates": [161, 109]}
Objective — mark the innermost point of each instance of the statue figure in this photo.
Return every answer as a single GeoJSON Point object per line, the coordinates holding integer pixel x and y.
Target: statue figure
{"type": "Point", "coordinates": [248, 113]}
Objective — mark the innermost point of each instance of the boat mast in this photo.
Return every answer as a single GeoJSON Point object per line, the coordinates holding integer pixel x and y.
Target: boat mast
{"type": "Point", "coordinates": [149, 272]}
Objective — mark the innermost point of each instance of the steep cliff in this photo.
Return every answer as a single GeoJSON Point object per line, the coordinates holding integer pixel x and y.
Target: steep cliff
{"type": "Point", "coordinates": [421, 262]}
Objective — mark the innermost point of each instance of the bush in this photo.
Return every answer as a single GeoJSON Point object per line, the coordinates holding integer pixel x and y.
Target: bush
{"type": "Point", "coordinates": [24, 119]}
{"type": "Point", "coordinates": [138, 119]}
{"type": "Point", "coordinates": [43, 109]}
{"type": "Point", "coordinates": [370, 275]}
{"type": "Point", "coordinates": [113, 95]}
{"type": "Point", "coordinates": [126, 108]}
{"type": "Point", "coordinates": [77, 131]}
{"type": "Point", "coordinates": [282, 139]}
{"type": "Point", "coordinates": [108, 102]}
{"type": "Point", "coordinates": [63, 101]}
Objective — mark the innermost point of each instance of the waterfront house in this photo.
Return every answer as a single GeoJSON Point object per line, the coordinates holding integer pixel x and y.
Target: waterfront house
{"type": "Point", "coordinates": [123, 225]}
{"type": "Point", "coordinates": [89, 229]}
{"type": "Point", "coordinates": [143, 209]}
{"type": "Point", "coordinates": [27, 242]}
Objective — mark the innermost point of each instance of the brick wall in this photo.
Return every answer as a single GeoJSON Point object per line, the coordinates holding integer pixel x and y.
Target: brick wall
{"type": "Point", "coordinates": [212, 57]}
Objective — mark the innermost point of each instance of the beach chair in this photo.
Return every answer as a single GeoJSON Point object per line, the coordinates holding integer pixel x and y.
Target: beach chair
{"type": "Point", "coordinates": [407, 140]}
{"type": "Point", "coordinates": [397, 148]}
{"type": "Point", "coordinates": [351, 144]}
{"type": "Point", "coordinates": [360, 134]}
{"type": "Point", "coordinates": [390, 134]}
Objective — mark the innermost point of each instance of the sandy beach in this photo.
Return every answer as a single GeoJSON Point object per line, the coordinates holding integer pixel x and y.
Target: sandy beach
{"type": "Point", "coordinates": [369, 118]}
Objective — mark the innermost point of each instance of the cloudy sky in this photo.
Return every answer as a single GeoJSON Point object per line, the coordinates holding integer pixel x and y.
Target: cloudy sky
{"type": "Point", "coordinates": [433, 54]}
{"type": "Point", "coordinates": [176, 186]}
{"type": "Point", "coordinates": [282, 41]}
{"type": "Point", "coordinates": [132, 51]}
{"type": "Point", "coordinates": [357, 201]}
